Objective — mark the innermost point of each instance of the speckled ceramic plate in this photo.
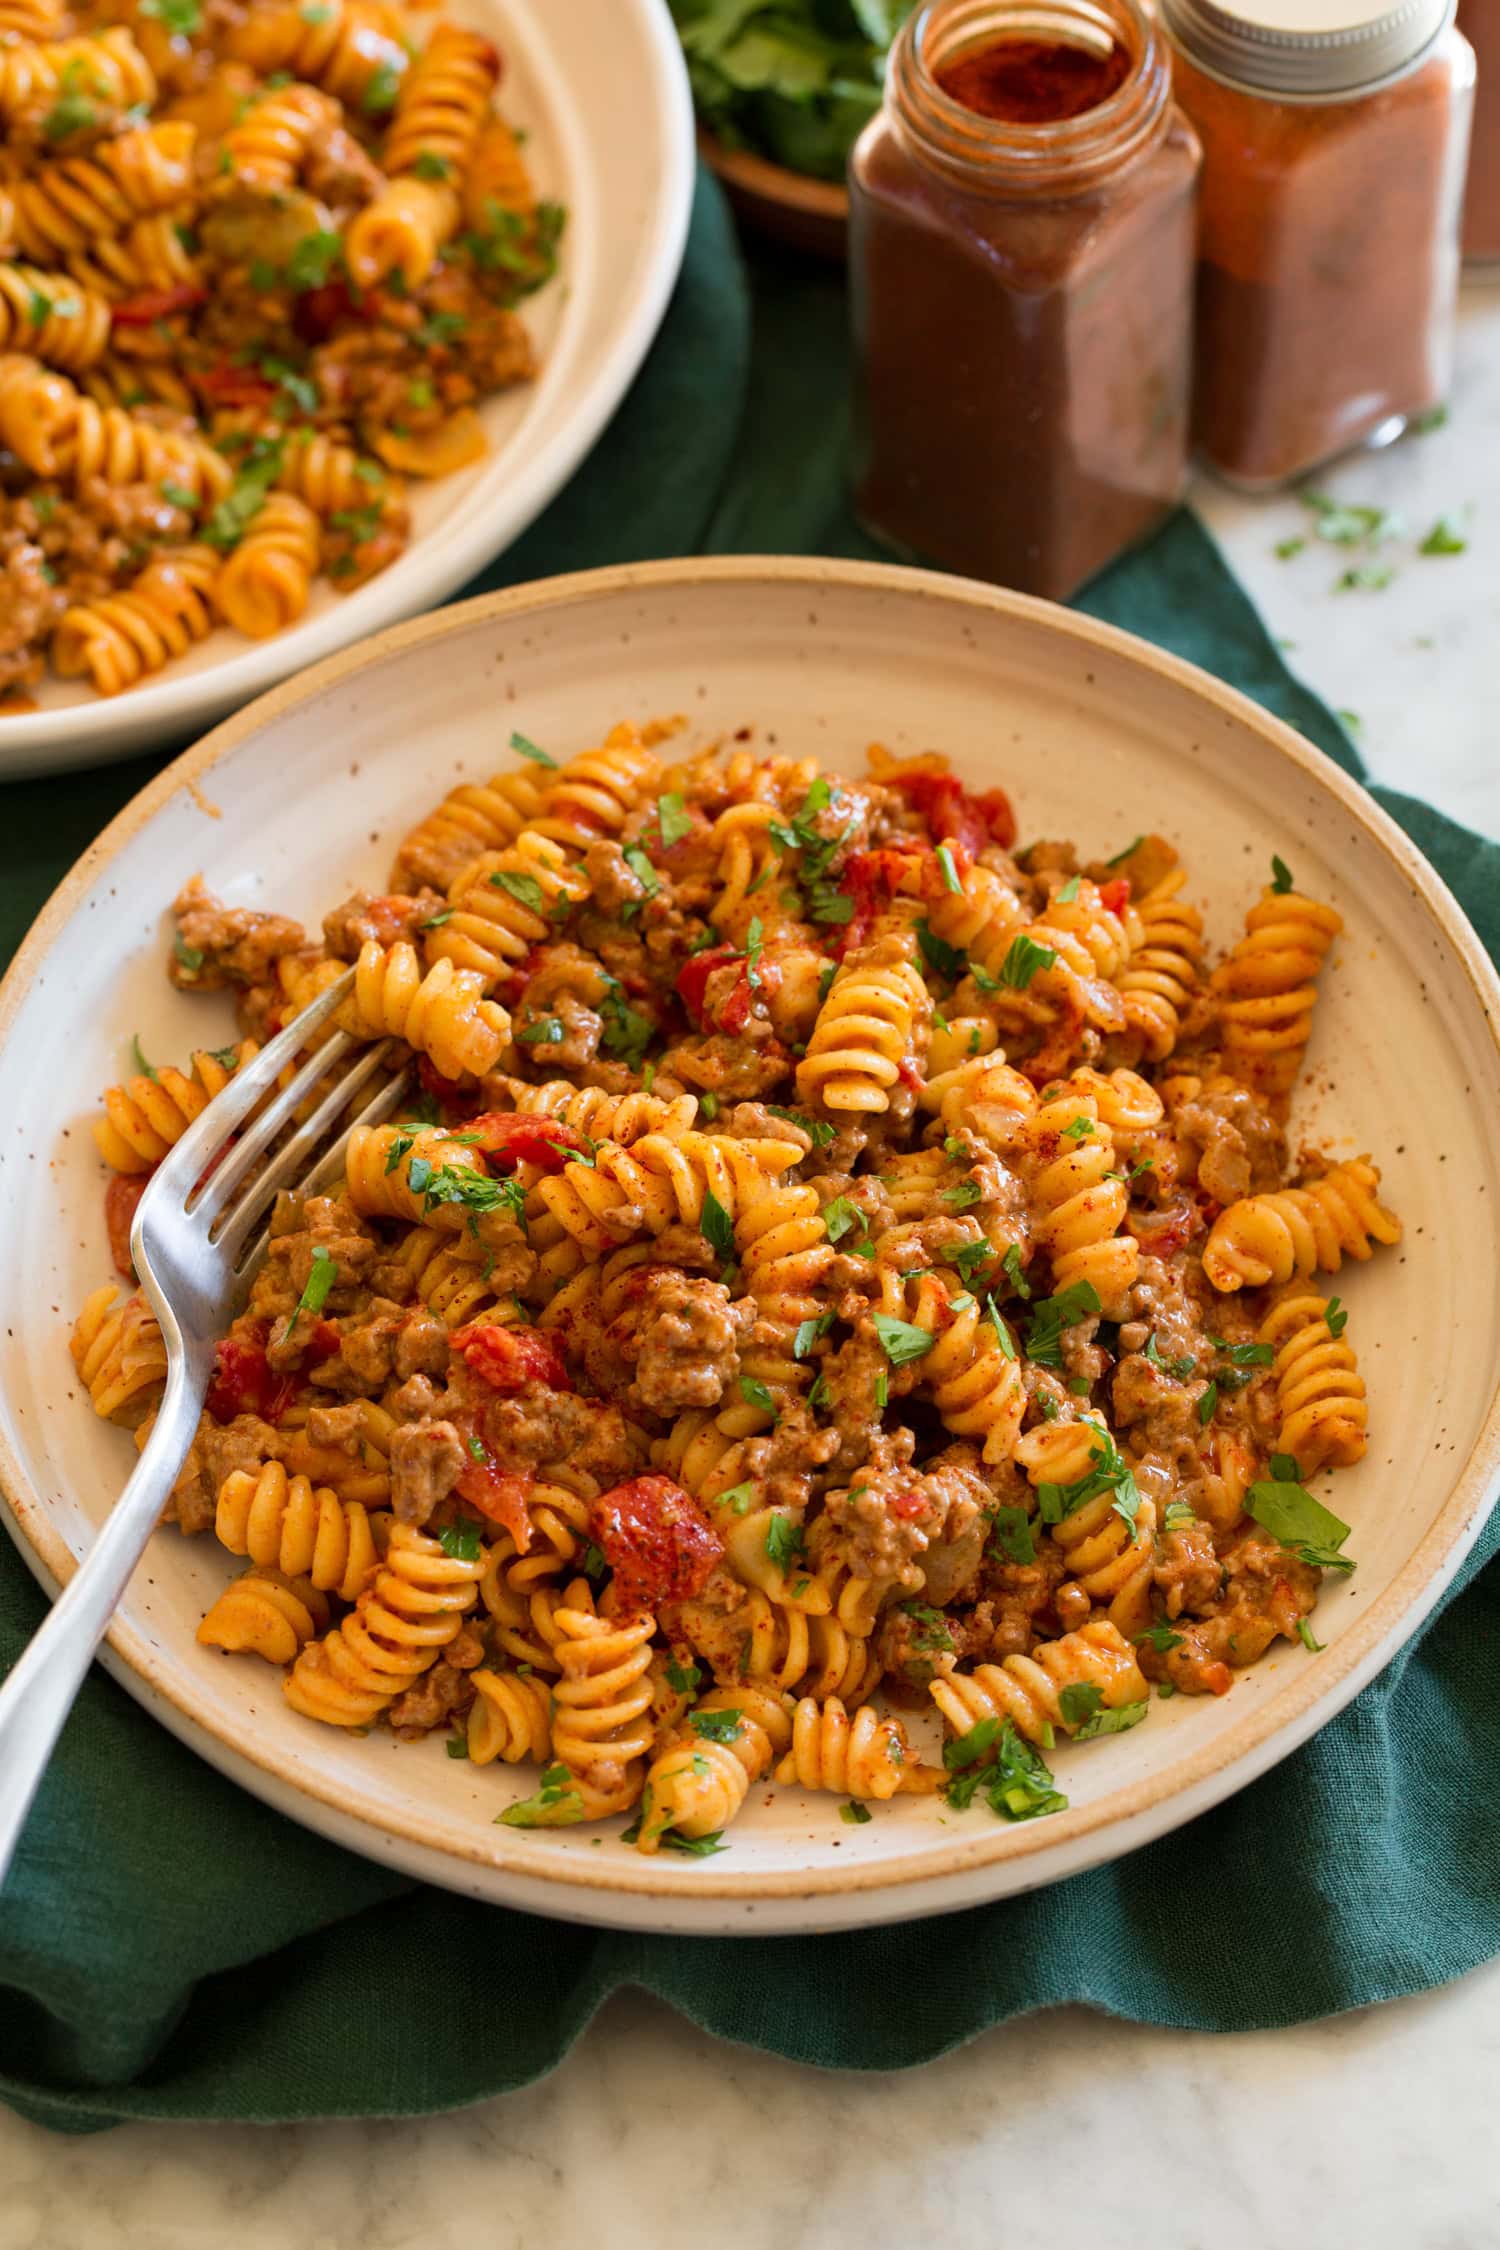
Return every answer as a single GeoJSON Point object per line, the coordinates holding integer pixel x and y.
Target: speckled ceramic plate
{"type": "Point", "coordinates": [601, 89]}
{"type": "Point", "coordinates": [1097, 736]}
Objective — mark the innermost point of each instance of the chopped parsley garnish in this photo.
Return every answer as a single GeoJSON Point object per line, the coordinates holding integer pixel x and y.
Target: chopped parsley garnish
{"type": "Point", "coordinates": [1120, 857]}
{"type": "Point", "coordinates": [1336, 1318]}
{"type": "Point", "coordinates": [1178, 1513]}
{"type": "Point", "coordinates": [72, 112]}
{"type": "Point", "coordinates": [809, 1332]}
{"type": "Point", "coordinates": [1010, 1266]}
{"type": "Point", "coordinates": [1016, 1786]}
{"type": "Point", "coordinates": [673, 818]}
{"type": "Point", "coordinates": [380, 91]}
{"type": "Point", "coordinates": [1291, 1514]}
{"type": "Point", "coordinates": [235, 513]}
{"type": "Point", "coordinates": [756, 1394]}
{"type": "Point", "coordinates": [950, 872]}
{"type": "Point", "coordinates": [476, 1448]}
{"type": "Point", "coordinates": [436, 921]}
{"type": "Point", "coordinates": [716, 1726]}
{"type": "Point", "coordinates": [1079, 1130]}
{"type": "Point", "coordinates": [840, 1216]}
{"type": "Point", "coordinates": [524, 747]}
{"type": "Point", "coordinates": [931, 1628]}
{"type": "Point", "coordinates": [457, 1745]}
{"type": "Point", "coordinates": [1006, 1341]}
{"type": "Point", "coordinates": [1206, 1405]}
{"type": "Point", "coordinates": [672, 1840]}
{"type": "Point", "coordinates": [962, 1194]}
{"type": "Point", "coordinates": [821, 1133]}
{"type": "Point", "coordinates": [473, 1192]}
{"type": "Point", "coordinates": [968, 1257]}
{"type": "Point", "coordinates": [1051, 1315]}
{"type": "Point", "coordinates": [1447, 537]}
{"type": "Point", "coordinates": [1281, 876]}
{"type": "Point", "coordinates": [428, 165]}
{"type": "Point", "coordinates": [902, 1340]}
{"type": "Point", "coordinates": [1022, 962]}
{"type": "Point", "coordinates": [1111, 1473]}
{"type": "Point", "coordinates": [784, 1539]}
{"type": "Point", "coordinates": [558, 1803]}
{"type": "Point", "coordinates": [141, 1063]}
{"type": "Point", "coordinates": [855, 1813]}
{"type": "Point", "coordinates": [717, 1226]}
{"type": "Point", "coordinates": [1160, 1637]}
{"type": "Point", "coordinates": [179, 495]}
{"type": "Point", "coordinates": [179, 17]}
{"type": "Point", "coordinates": [969, 1749]}
{"type": "Point", "coordinates": [524, 889]}
{"type": "Point", "coordinates": [401, 1146]}
{"type": "Point", "coordinates": [643, 871]}
{"type": "Point", "coordinates": [1244, 1355]}
{"type": "Point", "coordinates": [547, 1031]}
{"type": "Point", "coordinates": [312, 260]}
{"type": "Point", "coordinates": [1014, 1538]}
{"type": "Point", "coordinates": [738, 1499]}
{"type": "Point", "coordinates": [320, 1280]}
{"type": "Point", "coordinates": [1069, 891]}
{"type": "Point", "coordinates": [882, 1390]}
{"type": "Point", "coordinates": [593, 1562]}
{"type": "Point", "coordinates": [1079, 1702]}
{"type": "Point", "coordinates": [683, 1679]}
{"type": "Point", "coordinates": [462, 1541]}
{"type": "Point", "coordinates": [941, 957]}
{"type": "Point", "coordinates": [1305, 1636]}
{"type": "Point", "coordinates": [627, 1033]}
{"type": "Point", "coordinates": [1118, 1721]}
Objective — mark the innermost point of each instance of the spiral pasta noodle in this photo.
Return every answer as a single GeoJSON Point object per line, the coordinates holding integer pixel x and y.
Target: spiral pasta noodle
{"type": "Point", "coordinates": [864, 1033]}
{"type": "Point", "coordinates": [1067, 1157]}
{"type": "Point", "coordinates": [267, 1614]}
{"type": "Point", "coordinates": [1164, 968]}
{"type": "Point", "coordinates": [625, 1118]}
{"type": "Point", "coordinates": [504, 904]}
{"type": "Point", "coordinates": [107, 70]}
{"type": "Point", "coordinates": [497, 178]}
{"type": "Point", "coordinates": [51, 317]}
{"type": "Point", "coordinates": [119, 1352]}
{"type": "Point", "coordinates": [266, 150]}
{"type": "Point", "coordinates": [971, 1372]}
{"type": "Point", "coordinates": [283, 1524]}
{"type": "Point", "coordinates": [859, 1754]}
{"type": "Point", "coordinates": [594, 793]}
{"type": "Point", "coordinates": [443, 1014]}
{"type": "Point", "coordinates": [1109, 1558]}
{"type": "Point", "coordinates": [378, 1171]}
{"type": "Point", "coordinates": [400, 1625]}
{"type": "Point", "coordinates": [510, 1719]}
{"type": "Point", "coordinates": [699, 1782]}
{"type": "Point", "coordinates": [31, 19]}
{"type": "Point", "coordinates": [1028, 1690]}
{"type": "Point", "coordinates": [601, 1706]}
{"type": "Point", "coordinates": [264, 585]}
{"type": "Point", "coordinates": [648, 1187]}
{"type": "Point", "coordinates": [440, 110]}
{"type": "Point", "coordinates": [1320, 1393]}
{"type": "Point", "coordinates": [65, 205]}
{"type": "Point", "coordinates": [348, 47]}
{"type": "Point", "coordinates": [1267, 989]}
{"type": "Point", "coordinates": [473, 818]}
{"type": "Point", "coordinates": [120, 638]}
{"type": "Point", "coordinates": [149, 1114]}
{"type": "Point", "coordinates": [1300, 1230]}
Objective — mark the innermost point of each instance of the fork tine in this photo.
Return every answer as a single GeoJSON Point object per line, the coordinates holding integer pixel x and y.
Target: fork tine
{"type": "Point", "coordinates": [174, 1179]}
{"type": "Point", "coordinates": [288, 1164]}
{"type": "Point", "coordinates": [327, 1168]}
{"type": "Point", "coordinates": [217, 1194]}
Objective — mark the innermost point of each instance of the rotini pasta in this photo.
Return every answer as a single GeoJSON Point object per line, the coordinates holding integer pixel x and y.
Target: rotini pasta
{"type": "Point", "coordinates": [655, 1404]}
{"type": "Point", "coordinates": [264, 585]}
{"type": "Point", "coordinates": [1267, 989]}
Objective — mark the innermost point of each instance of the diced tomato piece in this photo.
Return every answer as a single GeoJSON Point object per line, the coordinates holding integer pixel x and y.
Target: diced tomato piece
{"type": "Point", "coordinates": [156, 304]}
{"type": "Point", "coordinates": [657, 1541]}
{"type": "Point", "coordinates": [510, 1358]}
{"type": "Point", "coordinates": [319, 312]}
{"type": "Point", "coordinates": [951, 812]}
{"type": "Point", "coordinates": [692, 979]}
{"type": "Point", "coordinates": [243, 1380]}
{"type": "Point", "coordinates": [227, 385]}
{"type": "Point", "coordinates": [1116, 895]}
{"type": "Point", "coordinates": [506, 1138]}
{"type": "Point", "coordinates": [1161, 1233]}
{"type": "Point", "coordinates": [499, 1494]}
{"type": "Point", "coordinates": [120, 1199]}
{"type": "Point", "coordinates": [908, 1506]}
{"type": "Point", "coordinates": [872, 880]}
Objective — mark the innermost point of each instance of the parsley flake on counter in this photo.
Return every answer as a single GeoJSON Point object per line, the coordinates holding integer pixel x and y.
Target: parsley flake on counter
{"type": "Point", "coordinates": [1447, 537]}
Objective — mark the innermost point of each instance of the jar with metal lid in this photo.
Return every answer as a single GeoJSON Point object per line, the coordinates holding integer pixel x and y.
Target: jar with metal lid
{"type": "Point", "coordinates": [1479, 21]}
{"type": "Point", "coordinates": [1021, 259]}
{"type": "Point", "coordinates": [1335, 134]}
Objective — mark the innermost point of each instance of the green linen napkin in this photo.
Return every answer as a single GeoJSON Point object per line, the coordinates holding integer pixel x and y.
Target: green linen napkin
{"type": "Point", "coordinates": [169, 1948]}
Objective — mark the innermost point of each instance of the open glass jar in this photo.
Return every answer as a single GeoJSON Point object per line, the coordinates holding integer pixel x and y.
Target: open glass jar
{"type": "Point", "coordinates": [1021, 258]}
{"type": "Point", "coordinates": [1479, 21]}
{"type": "Point", "coordinates": [1334, 140]}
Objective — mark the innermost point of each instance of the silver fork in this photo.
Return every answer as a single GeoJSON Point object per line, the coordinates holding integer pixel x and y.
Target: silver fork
{"type": "Point", "coordinates": [196, 1243]}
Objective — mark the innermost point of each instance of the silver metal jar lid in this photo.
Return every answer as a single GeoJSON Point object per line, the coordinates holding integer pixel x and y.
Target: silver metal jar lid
{"type": "Point", "coordinates": [1305, 50]}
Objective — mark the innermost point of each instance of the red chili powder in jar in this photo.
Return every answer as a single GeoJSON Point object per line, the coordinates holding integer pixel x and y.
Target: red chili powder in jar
{"type": "Point", "coordinates": [1033, 81]}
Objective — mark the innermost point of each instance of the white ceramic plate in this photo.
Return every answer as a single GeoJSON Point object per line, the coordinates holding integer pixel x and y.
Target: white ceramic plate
{"type": "Point", "coordinates": [601, 89]}
{"type": "Point", "coordinates": [1098, 737]}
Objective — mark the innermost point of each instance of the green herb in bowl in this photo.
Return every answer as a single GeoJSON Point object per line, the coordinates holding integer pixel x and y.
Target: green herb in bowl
{"type": "Point", "coordinates": [793, 80]}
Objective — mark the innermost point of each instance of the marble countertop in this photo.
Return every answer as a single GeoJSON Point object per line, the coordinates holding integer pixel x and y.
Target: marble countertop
{"type": "Point", "coordinates": [650, 2135]}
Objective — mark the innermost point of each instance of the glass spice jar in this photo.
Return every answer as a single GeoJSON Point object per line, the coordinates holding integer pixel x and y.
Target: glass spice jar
{"type": "Point", "coordinates": [1021, 259]}
{"type": "Point", "coordinates": [1479, 21]}
{"type": "Point", "coordinates": [1334, 139]}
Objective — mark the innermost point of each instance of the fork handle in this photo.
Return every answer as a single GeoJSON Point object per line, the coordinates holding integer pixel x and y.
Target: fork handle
{"type": "Point", "coordinates": [38, 1695]}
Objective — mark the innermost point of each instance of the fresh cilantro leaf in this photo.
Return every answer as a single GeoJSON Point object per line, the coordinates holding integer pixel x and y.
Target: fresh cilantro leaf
{"type": "Point", "coordinates": [476, 1448]}
{"type": "Point", "coordinates": [1003, 1335]}
{"type": "Point", "coordinates": [809, 1332]}
{"type": "Point", "coordinates": [784, 1539]}
{"type": "Point", "coordinates": [968, 1257]}
{"type": "Point", "coordinates": [627, 1033]}
{"type": "Point", "coordinates": [1286, 549]}
{"type": "Point", "coordinates": [972, 1748]}
{"type": "Point", "coordinates": [1079, 1130]}
{"type": "Point", "coordinates": [962, 1194]}
{"type": "Point", "coordinates": [461, 1541]}
{"type": "Point", "coordinates": [1051, 1315]}
{"type": "Point", "coordinates": [558, 1803]}
{"type": "Point", "coordinates": [524, 747]}
{"type": "Point", "coordinates": [708, 1106]}
{"type": "Point", "coordinates": [428, 165]}
{"type": "Point", "coordinates": [717, 1726]}
{"type": "Point", "coordinates": [882, 1390]}
{"type": "Point", "coordinates": [381, 89]}
{"type": "Point", "coordinates": [1022, 1787]}
{"type": "Point", "coordinates": [1292, 1515]}
{"type": "Point", "coordinates": [642, 869]}
{"type": "Point", "coordinates": [1284, 1469]}
{"type": "Point", "coordinates": [179, 17]}
{"type": "Point", "coordinates": [1022, 961]}
{"type": "Point", "coordinates": [1014, 1536]}
{"type": "Point", "coordinates": [457, 1746]}
{"type": "Point", "coordinates": [902, 1340]}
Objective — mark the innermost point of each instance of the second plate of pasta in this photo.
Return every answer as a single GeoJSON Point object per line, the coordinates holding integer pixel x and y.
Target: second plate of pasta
{"type": "Point", "coordinates": [873, 1361]}
{"type": "Point", "coordinates": [304, 314]}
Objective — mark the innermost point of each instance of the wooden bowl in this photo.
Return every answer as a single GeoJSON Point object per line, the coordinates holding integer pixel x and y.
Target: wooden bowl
{"type": "Point", "coordinates": [785, 206]}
